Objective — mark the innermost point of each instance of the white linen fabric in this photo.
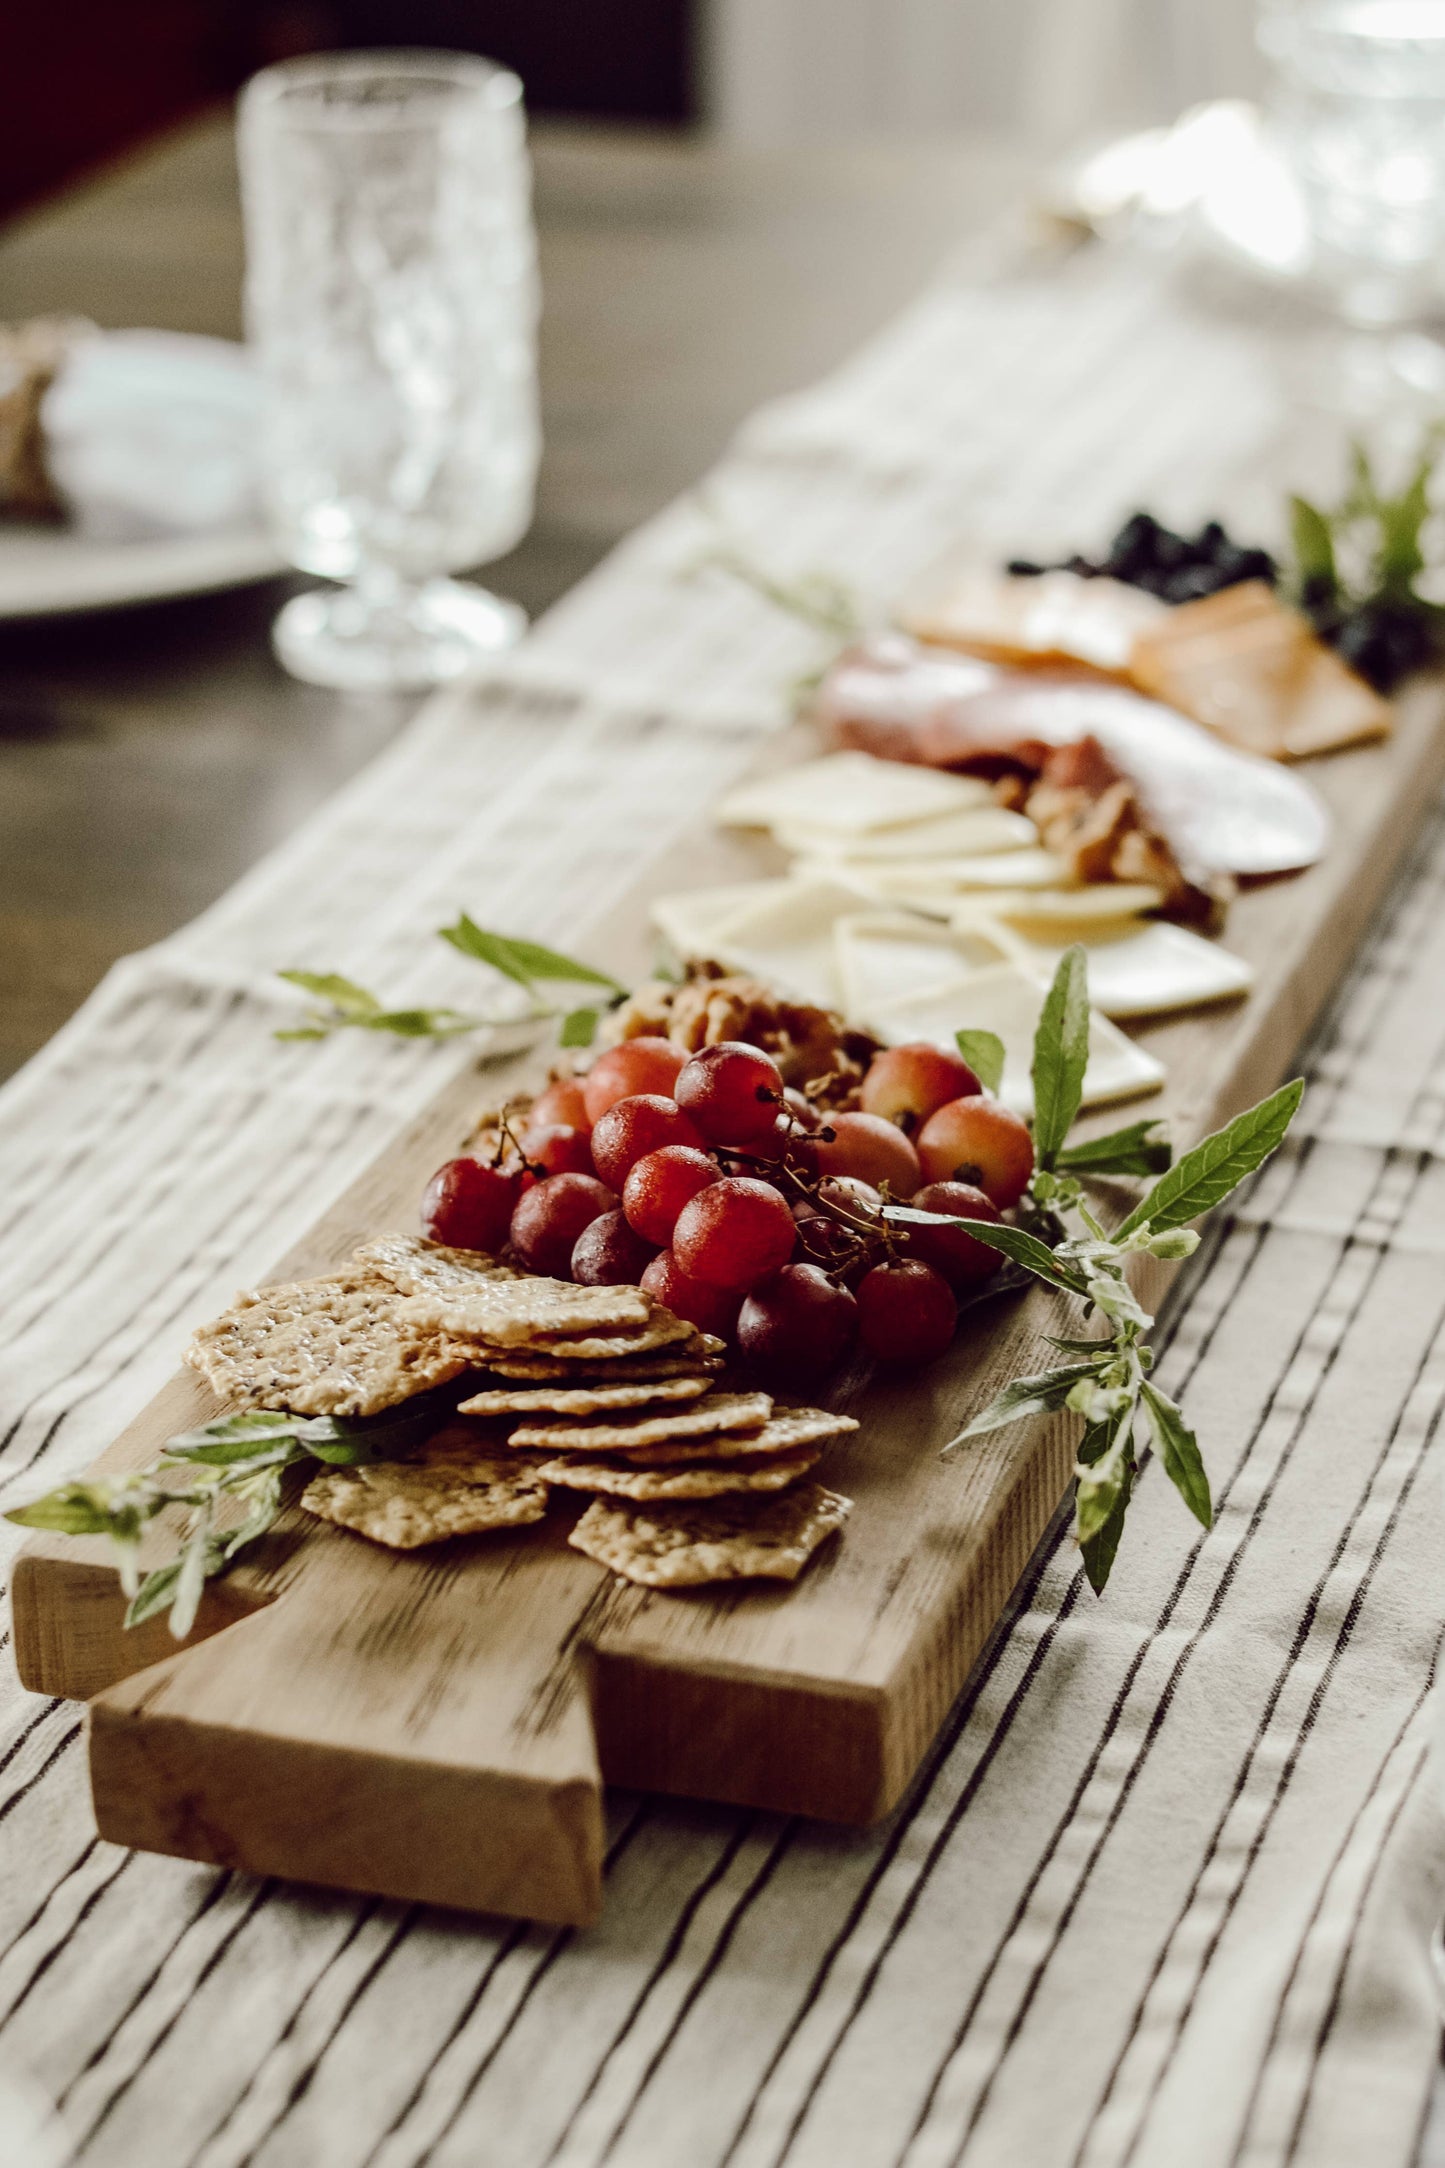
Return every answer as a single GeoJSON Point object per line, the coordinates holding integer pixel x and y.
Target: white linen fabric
{"type": "Point", "coordinates": [1162, 1893]}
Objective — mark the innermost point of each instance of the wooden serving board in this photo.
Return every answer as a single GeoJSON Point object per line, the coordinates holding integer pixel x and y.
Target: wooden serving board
{"type": "Point", "coordinates": [440, 1725]}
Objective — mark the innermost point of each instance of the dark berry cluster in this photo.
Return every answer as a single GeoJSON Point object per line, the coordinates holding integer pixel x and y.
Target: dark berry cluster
{"type": "Point", "coordinates": [1177, 568]}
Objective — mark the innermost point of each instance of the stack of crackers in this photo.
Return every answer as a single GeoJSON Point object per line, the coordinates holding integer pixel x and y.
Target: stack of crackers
{"type": "Point", "coordinates": [620, 1399]}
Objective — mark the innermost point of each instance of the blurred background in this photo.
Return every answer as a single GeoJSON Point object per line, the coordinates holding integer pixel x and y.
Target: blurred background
{"type": "Point", "coordinates": [84, 79]}
{"type": "Point", "coordinates": [730, 197]}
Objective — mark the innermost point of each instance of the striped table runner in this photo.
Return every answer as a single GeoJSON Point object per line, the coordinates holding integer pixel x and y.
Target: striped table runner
{"type": "Point", "coordinates": [1162, 1893]}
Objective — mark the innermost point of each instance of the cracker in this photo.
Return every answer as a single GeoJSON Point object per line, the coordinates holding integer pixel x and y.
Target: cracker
{"type": "Point", "coordinates": [523, 1312]}
{"type": "Point", "coordinates": [684, 1358]}
{"type": "Point", "coordinates": [564, 1399]}
{"type": "Point", "coordinates": [662, 1329]}
{"type": "Point", "coordinates": [414, 1266]}
{"type": "Point", "coordinates": [785, 1432]}
{"type": "Point", "coordinates": [716, 1412]}
{"type": "Point", "coordinates": [448, 1488]}
{"type": "Point", "coordinates": [342, 1345]}
{"type": "Point", "coordinates": [709, 1479]}
{"type": "Point", "coordinates": [676, 1545]}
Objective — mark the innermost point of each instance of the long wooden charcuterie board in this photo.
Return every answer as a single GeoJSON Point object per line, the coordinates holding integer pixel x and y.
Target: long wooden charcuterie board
{"type": "Point", "coordinates": [440, 1725]}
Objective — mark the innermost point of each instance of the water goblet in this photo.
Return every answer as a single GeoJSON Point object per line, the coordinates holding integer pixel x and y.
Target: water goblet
{"type": "Point", "coordinates": [391, 301]}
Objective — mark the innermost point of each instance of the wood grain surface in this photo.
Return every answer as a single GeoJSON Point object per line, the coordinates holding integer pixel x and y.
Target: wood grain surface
{"type": "Point", "coordinates": [441, 1725]}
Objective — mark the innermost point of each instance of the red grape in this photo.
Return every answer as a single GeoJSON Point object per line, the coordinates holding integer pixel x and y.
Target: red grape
{"type": "Point", "coordinates": [732, 1091]}
{"type": "Point", "coordinates": [905, 1084]}
{"type": "Point", "coordinates": [906, 1312]}
{"type": "Point", "coordinates": [711, 1309]}
{"type": "Point", "coordinates": [609, 1254]}
{"type": "Point", "coordinates": [734, 1233]}
{"type": "Point", "coordinates": [872, 1149]}
{"type": "Point", "coordinates": [975, 1140]}
{"type": "Point", "coordinates": [962, 1259]}
{"type": "Point", "coordinates": [558, 1148]}
{"type": "Point", "coordinates": [659, 1185]}
{"type": "Point", "coordinates": [563, 1100]}
{"type": "Point", "coordinates": [548, 1220]}
{"type": "Point", "coordinates": [469, 1205]}
{"type": "Point", "coordinates": [635, 1126]}
{"type": "Point", "coordinates": [798, 1325]}
{"type": "Point", "coordinates": [802, 1109]}
{"type": "Point", "coordinates": [854, 1199]}
{"type": "Point", "coordinates": [637, 1065]}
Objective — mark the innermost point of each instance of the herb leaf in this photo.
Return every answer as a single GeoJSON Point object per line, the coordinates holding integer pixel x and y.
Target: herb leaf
{"type": "Point", "coordinates": [1142, 1148]}
{"type": "Point", "coordinates": [1314, 547]}
{"type": "Point", "coordinates": [1061, 1055]}
{"type": "Point", "coordinates": [523, 961]}
{"type": "Point", "coordinates": [578, 1027]}
{"type": "Point", "coordinates": [1025, 1396]}
{"type": "Point", "coordinates": [1014, 1242]}
{"type": "Point", "coordinates": [84, 1509]}
{"type": "Point", "coordinates": [983, 1051]}
{"type": "Point", "coordinates": [1402, 521]}
{"type": "Point", "coordinates": [1179, 1451]}
{"type": "Point", "coordinates": [353, 1001]}
{"type": "Point", "coordinates": [1205, 1176]}
{"type": "Point", "coordinates": [1099, 1549]}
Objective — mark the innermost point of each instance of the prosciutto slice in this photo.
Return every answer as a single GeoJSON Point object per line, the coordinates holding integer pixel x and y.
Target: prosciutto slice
{"type": "Point", "coordinates": [1223, 812]}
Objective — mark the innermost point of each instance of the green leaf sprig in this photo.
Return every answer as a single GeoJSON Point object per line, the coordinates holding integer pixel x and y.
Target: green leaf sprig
{"type": "Point", "coordinates": [342, 1005]}
{"type": "Point", "coordinates": [1356, 564]}
{"type": "Point", "coordinates": [236, 1462]}
{"type": "Point", "coordinates": [1107, 1382]}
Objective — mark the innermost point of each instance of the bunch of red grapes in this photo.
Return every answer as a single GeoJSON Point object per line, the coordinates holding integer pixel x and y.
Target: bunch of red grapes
{"type": "Point", "coordinates": [743, 1208]}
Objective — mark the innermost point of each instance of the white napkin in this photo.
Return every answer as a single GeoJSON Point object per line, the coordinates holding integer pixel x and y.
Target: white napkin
{"type": "Point", "coordinates": [150, 430]}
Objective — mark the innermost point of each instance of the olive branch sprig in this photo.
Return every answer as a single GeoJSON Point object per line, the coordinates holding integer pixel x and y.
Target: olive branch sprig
{"type": "Point", "coordinates": [1106, 1382]}
{"type": "Point", "coordinates": [236, 1462]}
{"type": "Point", "coordinates": [342, 1005]}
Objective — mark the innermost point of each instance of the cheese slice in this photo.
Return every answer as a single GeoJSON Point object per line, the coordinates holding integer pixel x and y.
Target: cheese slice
{"type": "Point", "coordinates": [1007, 1000]}
{"type": "Point", "coordinates": [787, 938]}
{"type": "Point", "coordinates": [1076, 909]}
{"type": "Point", "coordinates": [1137, 967]}
{"type": "Point", "coordinates": [849, 792]}
{"type": "Point", "coordinates": [936, 885]}
{"type": "Point", "coordinates": [970, 833]}
{"type": "Point", "coordinates": [690, 919]}
{"type": "Point", "coordinates": [887, 956]}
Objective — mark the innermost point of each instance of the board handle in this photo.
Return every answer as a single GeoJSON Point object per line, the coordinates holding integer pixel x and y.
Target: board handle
{"type": "Point", "coordinates": [370, 1733]}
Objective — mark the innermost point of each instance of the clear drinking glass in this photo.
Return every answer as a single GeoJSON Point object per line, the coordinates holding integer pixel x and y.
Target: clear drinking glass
{"type": "Point", "coordinates": [1359, 106]}
{"type": "Point", "coordinates": [391, 298]}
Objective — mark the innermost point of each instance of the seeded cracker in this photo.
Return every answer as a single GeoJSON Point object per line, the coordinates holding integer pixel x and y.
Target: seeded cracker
{"type": "Point", "coordinates": [785, 1433]}
{"type": "Point", "coordinates": [582, 1399]}
{"type": "Point", "coordinates": [672, 1545]}
{"type": "Point", "coordinates": [448, 1488]}
{"type": "Point", "coordinates": [521, 1312]}
{"type": "Point", "coordinates": [717, 1412]}
{"type": "Point", "coordinates": [686, 1358]}
{"type": "Point", "coordinates": [414, 1266]}
{"type": "Point", "coordinates": [661, 1330]}
{"type": "Point", "coordinates": [343, 1345]}
{"type": "Point", "coordinates": [711, 1479]}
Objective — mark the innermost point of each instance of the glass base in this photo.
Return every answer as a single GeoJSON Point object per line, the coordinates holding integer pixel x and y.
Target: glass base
{"type": "Point", "coordinates": [398, 639]}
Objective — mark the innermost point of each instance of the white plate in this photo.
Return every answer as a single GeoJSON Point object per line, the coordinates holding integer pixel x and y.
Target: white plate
{"type": "Point", "coordinates": [151, 435]}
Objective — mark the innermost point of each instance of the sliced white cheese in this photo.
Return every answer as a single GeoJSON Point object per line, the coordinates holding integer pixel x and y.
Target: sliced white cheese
{"type": "Point", "coordinates": [851, 792]}
{"type": "Point", "coordinates": [1007, 1000]}
{"type": "Point", "coordinates": [1095, 900]}
{"type": "Point", "coordinates": [690, 920]}
{"type": "Point", "coordinates": [887, 956]}
{"type": "Point", "coordinates": [938, 885]}
{"type": "Point", "coordinates": [966, 834]}
{"type": "Point", "coordinates": [787, 938]}
{"type": "Point", "coordinates": [1137, 967]}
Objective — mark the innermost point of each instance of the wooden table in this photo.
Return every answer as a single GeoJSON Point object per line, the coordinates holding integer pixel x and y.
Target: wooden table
{"type": "Point", "coordinates": [148, 756]}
